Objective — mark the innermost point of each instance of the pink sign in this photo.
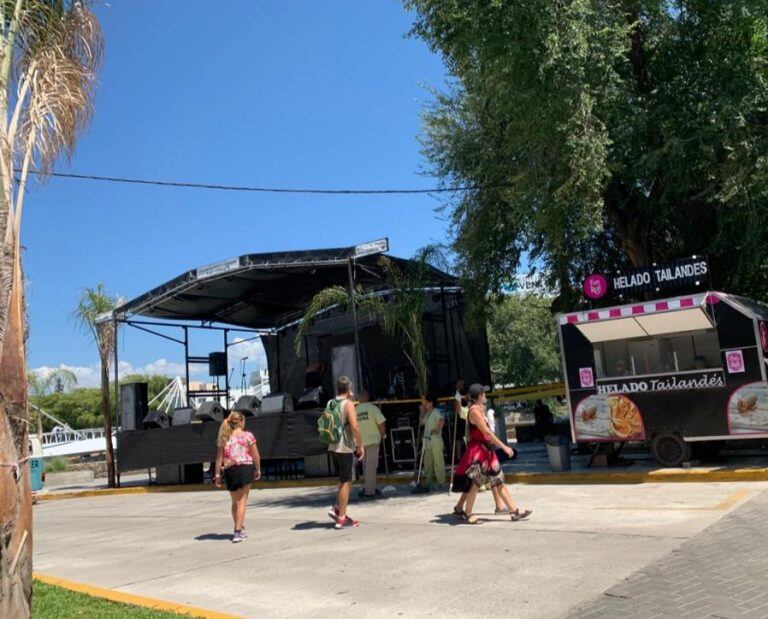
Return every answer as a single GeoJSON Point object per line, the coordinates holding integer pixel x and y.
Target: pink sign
{"type": "Point", "coordinates": [586, 378]}
{"type": "Point", "coordinates": [595, 286]}
{"type": "Point", "coordinates": [734, 359]}
{"type": "Point", "coordinates": [764, 336]}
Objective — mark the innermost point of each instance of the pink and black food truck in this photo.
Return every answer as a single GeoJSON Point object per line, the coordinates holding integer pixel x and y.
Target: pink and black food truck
{"type": "Point", "coordinates": [671, 372]}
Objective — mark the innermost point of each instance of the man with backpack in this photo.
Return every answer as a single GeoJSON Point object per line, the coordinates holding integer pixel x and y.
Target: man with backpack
{"type": "Point", "coordinates": [338, 427]}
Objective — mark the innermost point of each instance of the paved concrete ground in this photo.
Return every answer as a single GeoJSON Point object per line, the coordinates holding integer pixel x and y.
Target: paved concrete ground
{"type": "Point", "coordinates": [719, 573]}
{"type": "Point", "coordinates": [408, 558]}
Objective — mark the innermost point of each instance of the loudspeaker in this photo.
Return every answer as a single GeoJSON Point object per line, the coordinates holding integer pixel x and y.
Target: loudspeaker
{"type": "Point", "coordinates": [248, 405]}
{"type": "Point", "coordinates": [217, 364]}
{"type": "Point", "coordinates": [182, 416]}
{"type": "Point", "coordinates": [403, 445]}
{"type": "Point", "coordinates": [209, 411]}
{"type": "Point", "coordinates": [277, 403]}
{"type": "Point", "coordinates": [156, 419]}
{"type": "Point", "coordinates": [133, 405]}
{"type": "Point", "coordinates": [310, 398]}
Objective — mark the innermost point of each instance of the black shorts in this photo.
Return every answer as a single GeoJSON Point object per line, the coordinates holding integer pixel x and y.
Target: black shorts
{"type": "Point", "coordinates": [345, 463]}
{"type": "Point", "coordinates": [239, 476]}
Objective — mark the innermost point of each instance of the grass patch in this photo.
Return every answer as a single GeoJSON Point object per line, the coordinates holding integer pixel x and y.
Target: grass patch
{"type": "Point", "coordinates": [57, 464]}
{"type": "Point", "coordinates": [51, 602]}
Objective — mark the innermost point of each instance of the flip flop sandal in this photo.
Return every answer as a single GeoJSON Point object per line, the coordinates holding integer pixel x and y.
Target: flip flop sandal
{"type": "Point", "coordinates": [472, 519]}
{"type": "Point", "coordinates": [516, 516]}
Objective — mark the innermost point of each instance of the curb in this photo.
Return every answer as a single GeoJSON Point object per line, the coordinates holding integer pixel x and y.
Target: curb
{"type": "Point", "coordinates": [130, 598]}
{"type": "Point", "coordinates": [591, 477]}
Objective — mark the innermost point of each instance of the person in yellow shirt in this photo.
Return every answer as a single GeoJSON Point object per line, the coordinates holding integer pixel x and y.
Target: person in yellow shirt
{"type": "Point", "coordinates": [372, 429]}
{"type": "Point", "coordinates": [434, 460]}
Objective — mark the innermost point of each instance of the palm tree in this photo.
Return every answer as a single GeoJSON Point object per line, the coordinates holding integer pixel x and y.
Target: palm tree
{"type": "Point", "coordinates": [41, 384]}
{"type": "Point", "coordinates": [399, 308]}
{"type": "Point", "coordinates": [50, 53]}
{"type": "Point", "coordinates": [93, 304]}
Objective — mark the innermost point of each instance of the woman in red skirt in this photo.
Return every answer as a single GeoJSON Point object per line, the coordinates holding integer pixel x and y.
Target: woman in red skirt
{"type": "Point", "coordinates": [479, 465]}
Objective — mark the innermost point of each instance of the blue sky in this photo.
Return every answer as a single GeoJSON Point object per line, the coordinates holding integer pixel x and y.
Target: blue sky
{"type": "Point", "coordinates": [275, 93]}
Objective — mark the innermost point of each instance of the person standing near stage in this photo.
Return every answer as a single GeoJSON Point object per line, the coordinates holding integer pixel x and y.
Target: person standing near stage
{"type": "Point", "coordinates": [372, 429]}
{"type": "Point", "coordinates": [343, 453]}
{"type": "Point", "coordinates": [480, 465]}
{"type": "Point", "coordinates": [237, 456]}
{"type": "Point", "coordinates": [434, 461]}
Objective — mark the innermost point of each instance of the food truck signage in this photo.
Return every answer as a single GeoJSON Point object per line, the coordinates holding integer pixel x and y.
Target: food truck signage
{"type": "Point", "coordinates": [702, 379]}
{"type": "Point", "coordinates": [687, 273]}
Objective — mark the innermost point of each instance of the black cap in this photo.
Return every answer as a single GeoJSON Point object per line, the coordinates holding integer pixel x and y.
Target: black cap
{"type": "Point", "coordinates": [476, 389]}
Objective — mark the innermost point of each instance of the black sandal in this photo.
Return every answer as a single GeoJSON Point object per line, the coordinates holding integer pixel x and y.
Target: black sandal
{"type": "Point", "coordinates": [460, 513]}
{"type": "Point", "coordinates": [516, 516]}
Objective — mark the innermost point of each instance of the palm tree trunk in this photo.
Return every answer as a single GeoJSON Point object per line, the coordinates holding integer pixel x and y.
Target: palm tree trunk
{"type": "Point", "coordinates": [105, 409]}
{"type": "Point", "coordinates": [15, 497]}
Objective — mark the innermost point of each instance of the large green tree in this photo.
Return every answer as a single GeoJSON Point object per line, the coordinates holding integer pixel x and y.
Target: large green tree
{"type": "Point", "coordinates": [522, 338]}
{"type": "Point", "coordinates": [600, 133]}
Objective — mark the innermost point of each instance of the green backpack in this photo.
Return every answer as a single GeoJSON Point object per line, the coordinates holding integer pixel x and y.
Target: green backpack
{"type": "Point", "coordinates": [329, 426]}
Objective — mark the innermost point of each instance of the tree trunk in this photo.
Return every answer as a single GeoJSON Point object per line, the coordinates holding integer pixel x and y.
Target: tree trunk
{"type": "Point", "coordinates": [105, 409]}
{"type": "Point", "coordinates": [15, 497]}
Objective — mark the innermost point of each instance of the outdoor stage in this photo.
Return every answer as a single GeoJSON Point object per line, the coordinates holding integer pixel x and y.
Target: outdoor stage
{"type": "Point", "coordinates": [264, 296]}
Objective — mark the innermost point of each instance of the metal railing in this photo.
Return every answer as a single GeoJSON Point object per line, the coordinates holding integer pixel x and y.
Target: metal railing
{"type": "Point", "coordinates": [62, 436]}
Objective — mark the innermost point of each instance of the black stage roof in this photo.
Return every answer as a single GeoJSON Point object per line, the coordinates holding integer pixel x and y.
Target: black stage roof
{"type": "Point", "coordinates": [263, 291]}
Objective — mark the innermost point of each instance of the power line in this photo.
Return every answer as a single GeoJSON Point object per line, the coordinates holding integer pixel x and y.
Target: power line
{"type": "Point", "coordinates": [188, 185]}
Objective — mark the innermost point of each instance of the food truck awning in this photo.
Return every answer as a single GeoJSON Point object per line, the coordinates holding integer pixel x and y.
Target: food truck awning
{"type": "Point", "coordinates": [677, 315]}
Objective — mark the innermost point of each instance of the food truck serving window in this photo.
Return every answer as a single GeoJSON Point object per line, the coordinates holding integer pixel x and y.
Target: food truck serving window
{"type": "Point", "coordinates": [662, 354]}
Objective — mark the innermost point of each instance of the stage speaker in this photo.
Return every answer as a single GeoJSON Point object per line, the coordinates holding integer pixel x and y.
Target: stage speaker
{"type": "Point", "coordinates": [182, 416]}
{"type": "Point", "coordinates": [209, 411]}
{"type": "Point", "coordinates": [156, 419]}
{"type": "Point", "coordinates": [310, 398]}
{"type": "Point", "coordinates": [403, 445]}
{"type": "Point", "coordinates": [133, 405]}
{"type": "Point", "coordinates": [217, 364]}
{"type": "Point", "coordinates": [277, 403]}
{"type": "Point", "coordinates": [248, 405]}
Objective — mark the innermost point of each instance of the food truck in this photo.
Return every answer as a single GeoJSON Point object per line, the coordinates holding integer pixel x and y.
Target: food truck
{"type": "Point", "coordinates": [672, 372]}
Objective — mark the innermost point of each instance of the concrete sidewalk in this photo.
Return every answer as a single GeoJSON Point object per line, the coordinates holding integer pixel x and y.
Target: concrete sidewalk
{"type": "Point", "coordinates": [409, 557]}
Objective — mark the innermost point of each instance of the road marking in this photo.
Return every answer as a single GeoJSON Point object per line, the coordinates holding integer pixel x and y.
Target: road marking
{"type": "Point", "coordinates": [725, 505]}
{"type": "Point", "coordinates": [130, 598]}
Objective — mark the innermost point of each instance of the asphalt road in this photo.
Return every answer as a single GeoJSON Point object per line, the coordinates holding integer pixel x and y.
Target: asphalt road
{"type": "Point", "coordinates": [408, 558]}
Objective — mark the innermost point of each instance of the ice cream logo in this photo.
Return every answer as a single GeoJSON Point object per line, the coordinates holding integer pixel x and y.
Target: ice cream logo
{"type": "Point", "coordinates": [595, 286]}
{"type": "Point", "coordinates": [734, 359]}
{"type": "Point", "coordinates": [764, 336]}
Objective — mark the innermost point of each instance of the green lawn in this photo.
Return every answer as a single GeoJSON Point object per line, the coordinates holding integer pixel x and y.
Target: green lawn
{"type": "Point", "coordinates": [50, 602]}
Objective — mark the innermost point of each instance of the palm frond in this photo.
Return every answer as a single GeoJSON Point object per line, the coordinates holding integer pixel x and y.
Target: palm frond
{"type": "Point", "coordinates": [92, 303]}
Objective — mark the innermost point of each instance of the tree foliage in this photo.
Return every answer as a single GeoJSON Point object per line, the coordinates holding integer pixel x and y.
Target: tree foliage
{"type": "Point", "coordinates": [602, 133]}
{"type": "Point", "coordinates": [522, 338]}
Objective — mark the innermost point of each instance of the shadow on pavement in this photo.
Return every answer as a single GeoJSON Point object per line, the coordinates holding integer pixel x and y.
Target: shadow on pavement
{"type": "Point", "coordinates": [308, 526]}
{"type": "Point", "coordinates": [214, 537]}
{"type": "Point", "coordinates": [448, 519]}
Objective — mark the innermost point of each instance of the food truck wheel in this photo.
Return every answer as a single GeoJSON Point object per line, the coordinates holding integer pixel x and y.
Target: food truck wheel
{"type": "Point", "coordinates": [670, 449]}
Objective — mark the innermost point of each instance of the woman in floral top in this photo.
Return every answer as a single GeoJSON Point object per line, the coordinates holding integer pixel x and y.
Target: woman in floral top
{"type": "Point", "coordinates": [238, 457]}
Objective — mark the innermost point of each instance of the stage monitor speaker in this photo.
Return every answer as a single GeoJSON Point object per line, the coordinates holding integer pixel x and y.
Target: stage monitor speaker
{"type": "Point", "coordinates": [277, 403]}
{"type": "Point", "coordinates": [156, 419]}
{"type": "Point", "coordinates": [209, 411]}
{"type": "Point", "coordinates": [248, 405]}
{"type": "Point", "coordinates": [133, 405]}
{"type": "Point", "coordinates": [310, 398]}
{"type": "Point", "coordinates": [217, 364]}
{"type": "Point", "coordinates": [182, 416]}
